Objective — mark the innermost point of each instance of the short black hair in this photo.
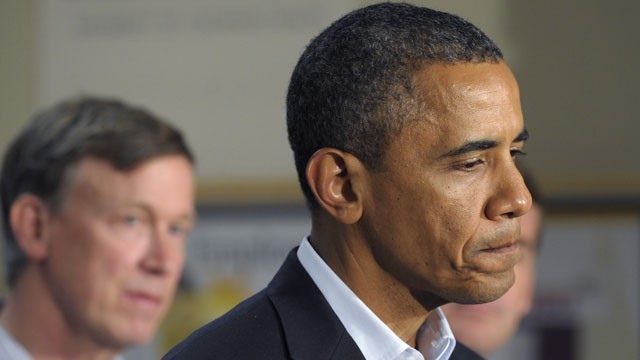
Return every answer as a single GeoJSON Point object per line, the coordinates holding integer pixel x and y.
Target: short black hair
{"type": "Point", "coordinates": [352, 87]}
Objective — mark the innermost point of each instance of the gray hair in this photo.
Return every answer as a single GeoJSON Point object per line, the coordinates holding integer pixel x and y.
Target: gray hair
{"type": "Point", "coordinates": [41, 159]}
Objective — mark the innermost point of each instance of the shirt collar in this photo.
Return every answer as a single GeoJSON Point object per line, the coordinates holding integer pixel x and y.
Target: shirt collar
{"type": "Point", "coordinates": [10, 347]}
{"type": "Point", "coordinates": [375, 340]}
{"type": "Point", "coordinates": [435, 339]}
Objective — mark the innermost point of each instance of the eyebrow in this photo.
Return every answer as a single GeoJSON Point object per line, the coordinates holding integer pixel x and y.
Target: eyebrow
{"type": "Point", "coordinates": [483, 145]}
{"type": "Point", "coordinates": [523, 136]}
{"type": "Point", "coordinates": [190, 216]}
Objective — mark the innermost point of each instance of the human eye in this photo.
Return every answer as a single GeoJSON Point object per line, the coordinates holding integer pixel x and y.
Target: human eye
{"type": "Point", "coordinates": [134, 219]}
{"type": "Point", "coordinates": [516, 153]}
{"type": "Point", "coordinates": [180, 230]}
{"type": "Point", "coordinates": [131, 223]}
{"type": "Point", "coordinates": [131, 219]}
{"type": "Point", "coordinates": [468, 165]}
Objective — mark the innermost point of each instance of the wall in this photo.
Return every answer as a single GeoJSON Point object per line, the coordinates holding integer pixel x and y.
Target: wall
{"type": "Point", "coordinates": [18, 41]}
{"type": "Point", "coordinates": [220, 70]}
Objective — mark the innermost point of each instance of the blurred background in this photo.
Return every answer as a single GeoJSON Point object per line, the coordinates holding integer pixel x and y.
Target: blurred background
{"type": "Point", "coordinates": [219, 70]}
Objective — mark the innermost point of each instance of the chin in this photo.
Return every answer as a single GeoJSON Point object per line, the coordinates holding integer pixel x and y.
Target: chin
{"type": "Point", "coordinates": [484, 290]}
{"type": "Point", "coordinates": [138, 334]}
{"type": "Point", "coordinates": [135, 339]}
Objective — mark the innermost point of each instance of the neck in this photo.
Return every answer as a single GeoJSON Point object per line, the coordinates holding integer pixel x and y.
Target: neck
{"type": "Point", "coordinates": [350, 256]}
{"type": "Point", "coordinates": [32, 316]}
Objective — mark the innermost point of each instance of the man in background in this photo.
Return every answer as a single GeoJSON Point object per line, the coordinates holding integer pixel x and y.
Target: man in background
{"type": "Point", "coordinates": [405, 123]}
{"type": "Point", "coordinates": [486, 328]}
{"type": "Point", "coordinates": [97, 203]}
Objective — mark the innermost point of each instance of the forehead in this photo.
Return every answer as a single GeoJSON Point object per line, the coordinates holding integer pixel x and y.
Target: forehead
{"type": "Point", "coordinates": [447, 83]}
{"type": "Point", "coordinates": [95, 180]}
{"type": "Point", "coordinates": [467, 102]}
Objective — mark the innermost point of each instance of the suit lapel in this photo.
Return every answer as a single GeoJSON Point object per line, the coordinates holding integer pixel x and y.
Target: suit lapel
{"type": "Point", "coordinates": [461, 352]}
{"type": "Point", "coordinates": [312, 330]}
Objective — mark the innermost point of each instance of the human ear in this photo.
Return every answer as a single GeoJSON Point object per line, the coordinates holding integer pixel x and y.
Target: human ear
{"type": "Point", "coordinates": [28, 215]}
{"type": "Point", "coordinates": [333, 177]}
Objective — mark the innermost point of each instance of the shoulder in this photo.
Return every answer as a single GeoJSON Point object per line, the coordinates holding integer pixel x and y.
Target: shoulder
{"type": "Point", "coordinates": [250, 330]}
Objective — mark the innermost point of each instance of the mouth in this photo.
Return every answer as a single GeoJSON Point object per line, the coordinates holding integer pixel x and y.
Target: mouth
{"type": "Point", "coordinates": [502, 248]}
{"type": "Point", "coordinates": [144, 299]}
{"type": "Point", "coordinates": [499, 256]}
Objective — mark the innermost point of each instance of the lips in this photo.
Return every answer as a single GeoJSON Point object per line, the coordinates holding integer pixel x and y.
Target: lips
{"type": "Point", "coordinates": [499, 254]}
{"type": "Point", "coordinates": [509, 246]}
{"type": "Point", "coordinates": [505, 240]}
{"type": "Point", "coordinates": [144, 299]}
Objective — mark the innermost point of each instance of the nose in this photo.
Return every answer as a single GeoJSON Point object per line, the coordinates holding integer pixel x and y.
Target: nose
{"type": "Point", "coordinates": [161, 257]}
{"type": "Point", "coordinates": [511, 198]}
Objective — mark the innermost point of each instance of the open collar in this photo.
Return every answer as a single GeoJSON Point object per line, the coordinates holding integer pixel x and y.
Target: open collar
{"type": "Point", "coordinates": [312, 330]}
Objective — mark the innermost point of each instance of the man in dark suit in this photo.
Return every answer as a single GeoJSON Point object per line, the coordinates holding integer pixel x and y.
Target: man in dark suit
{"type": "Point", "coordinates": [405, 124]}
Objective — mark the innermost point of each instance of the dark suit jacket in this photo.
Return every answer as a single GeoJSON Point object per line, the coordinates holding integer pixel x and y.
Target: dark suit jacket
{"type": "Point", "coordinates": [290, 319]}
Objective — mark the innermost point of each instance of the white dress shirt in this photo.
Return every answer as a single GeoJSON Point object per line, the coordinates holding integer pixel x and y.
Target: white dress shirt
{"type": "Point", "coordinates": [11, 349]}
{"type": "Point", "coordinates": [375, 340]}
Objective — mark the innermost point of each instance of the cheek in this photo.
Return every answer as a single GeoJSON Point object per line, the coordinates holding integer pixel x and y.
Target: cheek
{"type": "Point", "coordinates": [462, 196]}
{"type": "Point", "coordinates": [457, 222]}
{"type": "Point", "coordinates": [116, 260]}
{"type": "Point", "coordinates": [72, 255]}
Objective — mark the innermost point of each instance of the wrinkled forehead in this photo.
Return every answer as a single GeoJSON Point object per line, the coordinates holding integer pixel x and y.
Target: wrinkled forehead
{"type": "Point", "coordinates": [94, 174]}
{"type": "Point", "coordinates": [463, 103]}
{"type": "Point", "coordinates": [442, 87]}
